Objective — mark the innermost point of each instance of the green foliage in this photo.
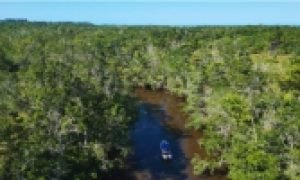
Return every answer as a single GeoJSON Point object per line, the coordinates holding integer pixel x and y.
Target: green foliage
{"type": "Point", "coordinates": [248, 160]}
{"type": "Point", "coordinates": [66, 105]}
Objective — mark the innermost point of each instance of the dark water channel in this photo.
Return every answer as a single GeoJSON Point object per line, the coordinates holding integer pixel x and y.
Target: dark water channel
{"type": "Point", "coordinates": [160, 117]}
{"type": "Point", "coordinates": [147, 134]}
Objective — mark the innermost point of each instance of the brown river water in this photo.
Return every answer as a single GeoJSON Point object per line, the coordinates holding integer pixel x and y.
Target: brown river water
{"type": "Point", "coordinates": [160, 117]}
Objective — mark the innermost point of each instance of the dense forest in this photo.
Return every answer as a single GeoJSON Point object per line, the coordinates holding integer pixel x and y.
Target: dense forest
{"type": "Point", "coordinates": [66, 105]}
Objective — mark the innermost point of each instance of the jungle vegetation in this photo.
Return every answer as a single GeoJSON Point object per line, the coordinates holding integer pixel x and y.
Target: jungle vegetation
{"type": "Point", "coordinates": [66, 107]}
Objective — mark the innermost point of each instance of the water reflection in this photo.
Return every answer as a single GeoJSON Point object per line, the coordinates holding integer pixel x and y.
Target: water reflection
{"type": "Point", "coordinates": [160, 117]}
{"type": "Point", "coordinates": [148, 132]}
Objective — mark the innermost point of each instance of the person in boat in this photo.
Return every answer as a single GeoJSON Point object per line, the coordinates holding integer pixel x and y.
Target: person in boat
{"type": "Point", "coordinates": [165, 150]}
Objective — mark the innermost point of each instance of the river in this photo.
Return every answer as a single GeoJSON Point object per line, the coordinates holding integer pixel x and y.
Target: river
{"type": "Point", "coordinates": [160, 117]}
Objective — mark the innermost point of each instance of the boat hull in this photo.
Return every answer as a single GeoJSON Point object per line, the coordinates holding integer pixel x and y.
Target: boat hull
{"type": "Point", "coordinates": [166, 156]}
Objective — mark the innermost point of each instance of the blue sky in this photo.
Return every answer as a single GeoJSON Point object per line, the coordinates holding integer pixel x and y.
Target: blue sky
{"type": "Point", "coordinates": [167, 12]}
{"type": "Point", "coordinates": [149, 1]}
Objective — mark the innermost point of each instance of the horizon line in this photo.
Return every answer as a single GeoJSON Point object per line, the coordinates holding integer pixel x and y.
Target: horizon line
{"type": "Point", "coordinates": [167, 25]}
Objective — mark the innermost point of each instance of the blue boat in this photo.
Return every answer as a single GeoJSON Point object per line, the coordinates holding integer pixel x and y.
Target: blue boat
{"type": "Point", "coordinates": [166, 153]}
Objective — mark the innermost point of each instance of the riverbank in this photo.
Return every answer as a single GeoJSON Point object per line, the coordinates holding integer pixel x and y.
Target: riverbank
{"type": "Point", "coordinates": [161, 117]}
